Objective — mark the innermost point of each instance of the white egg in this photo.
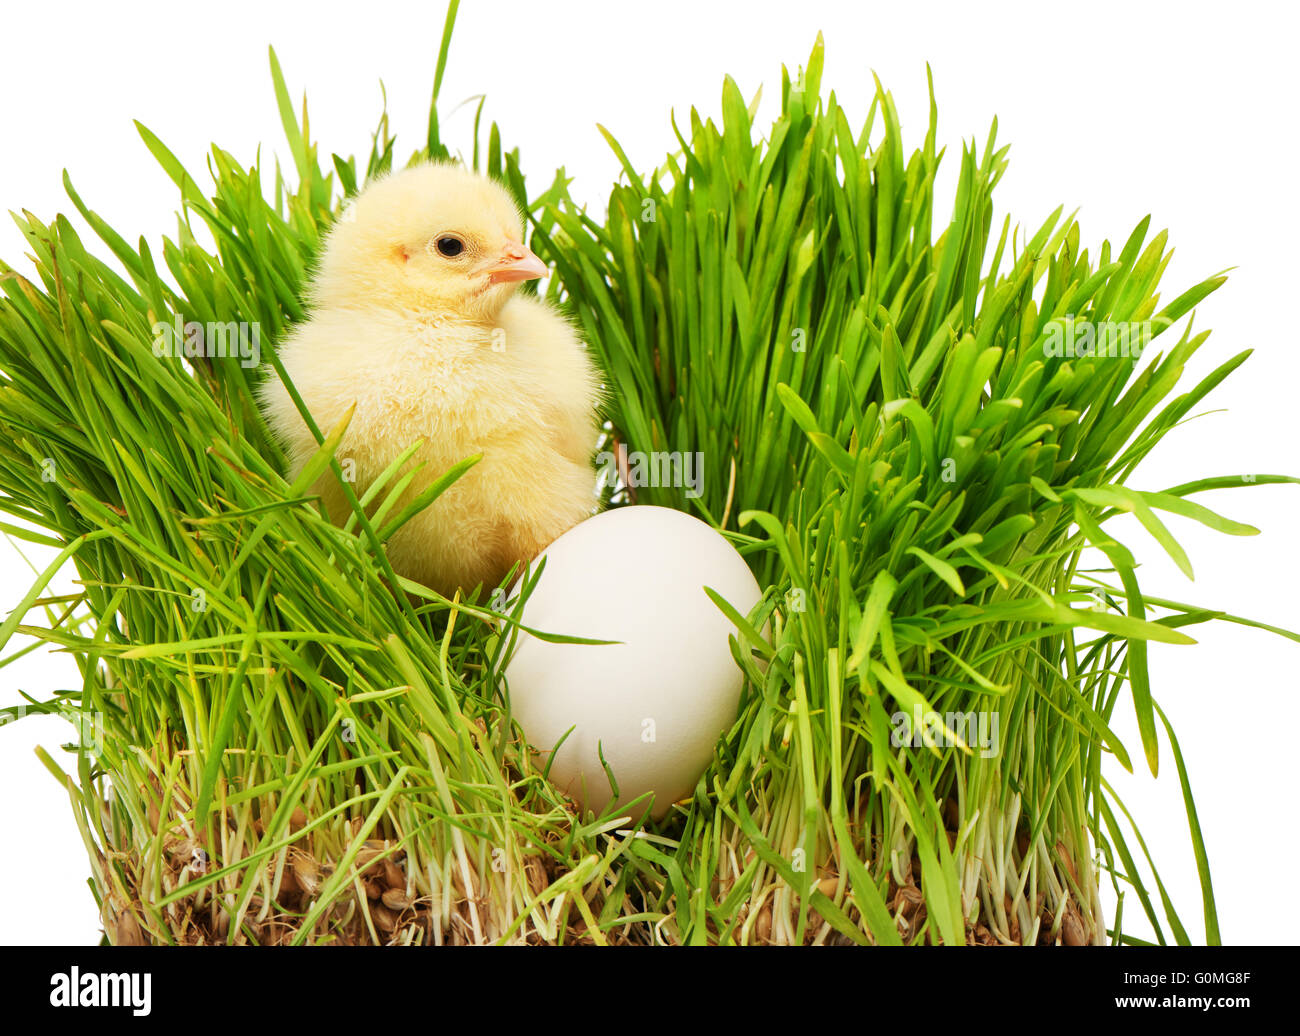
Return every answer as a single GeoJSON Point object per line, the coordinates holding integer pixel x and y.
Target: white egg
{"type": "Point", "coordinates": [654, 704]}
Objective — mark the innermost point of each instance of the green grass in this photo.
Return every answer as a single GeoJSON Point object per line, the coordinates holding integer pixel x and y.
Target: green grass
{"type": "Point", "coordinates": [914, 481]}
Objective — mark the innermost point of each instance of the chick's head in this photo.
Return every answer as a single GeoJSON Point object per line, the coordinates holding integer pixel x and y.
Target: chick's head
{"type": "Point", "coordinates": [432, 238]}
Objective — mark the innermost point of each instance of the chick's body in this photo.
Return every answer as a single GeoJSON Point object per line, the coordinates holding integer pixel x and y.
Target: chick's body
{"type": "Point", "coordinates": [441, 351]}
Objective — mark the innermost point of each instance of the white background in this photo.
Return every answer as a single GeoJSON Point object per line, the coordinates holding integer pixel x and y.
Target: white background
{"type": "Point", "coordinates": [1184, 111]}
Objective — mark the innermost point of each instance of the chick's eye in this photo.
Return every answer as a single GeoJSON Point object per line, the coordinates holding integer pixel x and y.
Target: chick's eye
{"type": "Point", "coordinates": [449, 246]}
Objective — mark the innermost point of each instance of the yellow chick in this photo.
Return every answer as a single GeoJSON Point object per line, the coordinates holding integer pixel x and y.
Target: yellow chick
{"type": "Point", "coordinates": [415, 319]}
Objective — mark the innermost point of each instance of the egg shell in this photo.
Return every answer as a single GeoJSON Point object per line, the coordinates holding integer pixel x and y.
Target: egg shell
{"type": "Point", "coordinates": [656, 702]}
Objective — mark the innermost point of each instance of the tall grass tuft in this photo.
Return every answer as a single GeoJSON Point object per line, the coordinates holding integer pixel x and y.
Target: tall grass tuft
{"type": "Point", "coordinates": [279, 741]}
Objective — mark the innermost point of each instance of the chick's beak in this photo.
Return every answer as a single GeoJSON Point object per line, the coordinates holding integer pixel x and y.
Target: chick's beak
{"type": "Point", "coordinates": [515, 263]}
